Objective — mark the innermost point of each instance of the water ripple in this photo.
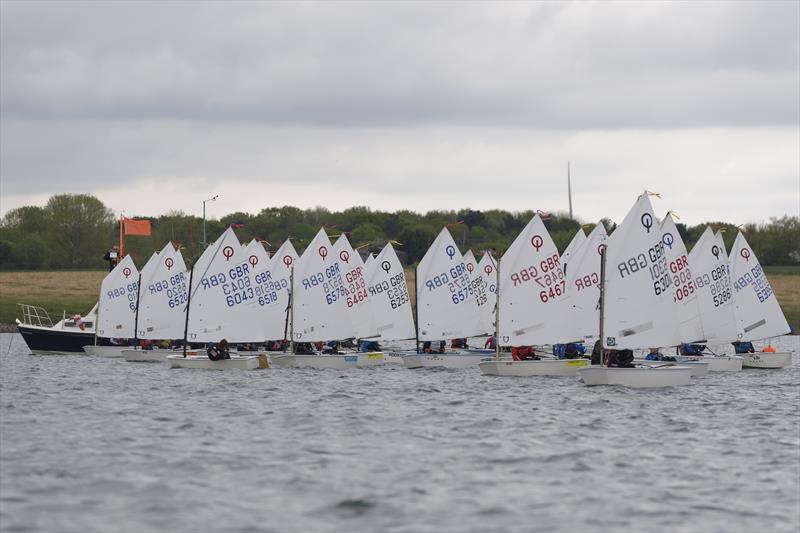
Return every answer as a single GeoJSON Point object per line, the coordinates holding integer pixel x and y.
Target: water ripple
{"type": "Point", "coordinates": [92, 444]}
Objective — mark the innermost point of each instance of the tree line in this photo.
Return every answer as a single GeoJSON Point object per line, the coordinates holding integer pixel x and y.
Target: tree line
{"type": "Point", "coordinates": [73, 231]}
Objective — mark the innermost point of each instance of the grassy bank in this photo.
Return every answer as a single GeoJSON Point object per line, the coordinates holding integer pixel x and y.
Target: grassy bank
{"type": "Point", "coordinates": [76, 292]}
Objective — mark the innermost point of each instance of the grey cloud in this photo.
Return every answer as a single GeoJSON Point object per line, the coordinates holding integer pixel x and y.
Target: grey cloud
{"type": "Point", "coordinates": [535, 65]}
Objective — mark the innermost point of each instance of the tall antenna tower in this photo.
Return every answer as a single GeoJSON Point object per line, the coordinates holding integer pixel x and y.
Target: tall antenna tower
{"type": "Point", "coordinates": [569, 191]}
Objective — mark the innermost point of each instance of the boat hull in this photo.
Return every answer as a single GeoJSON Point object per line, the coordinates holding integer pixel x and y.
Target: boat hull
{"type": "Point", "coordinates": [767, 359]}
{"type": "Point", "coordinates": [638, 377]}
{"type": "Point", "coordinates": [42, 340]}
{"type": "Point", "coordinates": [106, 351]}
{"type": "Point", "coordinates": [337, 362]}
{"type": "Point", "coordinates": [717, 363]}
{"type": "Point", "coordinates": [699, 367]}
{"type": "Point", "coordinates": [543, 367]}
{"type": "Point", "coordinates": [152, 356]}
{"type": "Point", "coordinates": [442, 360]}
{"type": "Point", "coordinates": [249, 362]}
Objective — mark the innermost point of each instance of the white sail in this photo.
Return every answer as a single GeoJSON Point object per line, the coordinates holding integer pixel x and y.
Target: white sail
{"type": "Point", "coordinates": [638, 301]}
{"type": "Point", "coordinates": [116, 308]}
{"type": "Point", "coordinates": [162, 299]}
{"type": "Point", "coordinates": [683, 291]}
{"type": "Point", "coordinates": [757, 310]}
{"type": "Point", "coordinates": [583, 284]}
{"type": "Point", "coordinates": [573, 246]}
{"type": "Point", "coordinates": [532, 291]}
{"type": "Point", "coordinates": [356, 295]}
{"type": "Point", "coordinates": [446, 306]}
{"type": "Point", "coordinates": [487, 270]}
{"type": "Point", "coordinates": [370, 258]}
{"type": "Point", "coordinates": [388, 292]}
{"type": "Point", "coordinates": [709, 263]}
{"type": "Point", "coordinates": [320, 310]}
{"type": "Point", "coordinates": [223, 302]}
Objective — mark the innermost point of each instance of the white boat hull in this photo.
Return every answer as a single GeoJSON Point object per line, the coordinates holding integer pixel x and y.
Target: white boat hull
{"type": "Point", "coordinates": [106, 351]}
{"type": "Point", "coordinates": [443, 360]}
{"type": "Point", "coordinates": [248, 362]}
{"type": "Point", "coordinates": [767, 359]}
{"type": "Point", "coordinates": [717, 363]}
{"type": "Point", "coordinates": [699, 367]}
{"type": "Point", "coordinates": [151, 356]}
{"type": "Point", "coordinates": [543, 367]}
{"type": "Point", "coordinates": [337, 361]}
{"type": "Point", "coordinates": [638, 377]}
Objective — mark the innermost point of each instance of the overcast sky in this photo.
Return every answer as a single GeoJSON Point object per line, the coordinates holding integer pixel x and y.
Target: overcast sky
{"type": "Point", "coordinates": [153, 106]}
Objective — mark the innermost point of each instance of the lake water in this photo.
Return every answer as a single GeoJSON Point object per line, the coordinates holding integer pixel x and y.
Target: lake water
{"type": "Point", "coordinates": [92, 444]}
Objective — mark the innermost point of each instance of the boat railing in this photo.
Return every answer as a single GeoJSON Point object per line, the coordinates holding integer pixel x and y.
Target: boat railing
{"type": "Point", "coordinates": [35, 316]}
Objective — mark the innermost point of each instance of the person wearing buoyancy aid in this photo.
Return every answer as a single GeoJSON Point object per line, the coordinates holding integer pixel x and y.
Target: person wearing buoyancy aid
{"type": "Point", "coordinates": [571, 350]}
{"type": "Point", "coordinates": [458, 344]}
{"type": "Point", "coordinates": [218, 352]}
{"type": "Point", "coordinates": [655, 355]}
{"type": "Point", "coordinates": [523, 353]}
{"type": "Point", "coordinates": [622, 358]}
{"type": "Point", "coordinates": [490, 343]}
{"type": "Point", "coordinates": [768, 349]}
{"type": "Point", "coordinates": [692, 349]}
{"type": "Point", "coordinates": [369, 346]}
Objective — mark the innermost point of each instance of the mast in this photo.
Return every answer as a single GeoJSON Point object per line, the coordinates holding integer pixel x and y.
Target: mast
{"type": "Point", "coordinates": [602, 299]}
{"type": "Point", "coordinates": [291, 310]}
{"type": "Point", "coordinates": [188, 301]}
{"type": "Point", "coordinates": [569, 191]}
{"type": "Point", "coordinates": [416, 312]}
{"type": "Point", "coordinates": [497, 310]}
{"type": "Point", "coordinates": [136, 317]}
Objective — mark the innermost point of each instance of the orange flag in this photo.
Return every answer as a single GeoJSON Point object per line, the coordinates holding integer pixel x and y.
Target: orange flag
{"type": "Point", "coordinates": [137, 227]}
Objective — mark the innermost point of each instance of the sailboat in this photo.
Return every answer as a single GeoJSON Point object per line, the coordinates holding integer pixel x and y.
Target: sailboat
{"type": "Point", "coordinates": [684, 296]}
{"type": "Point", "coordinates": [163, 295]}
{"type": "Point", "coordinates": [636, 305]}
{"type": "Point", "coordinates": [710, 282]}
{"type": "Point", "coordinates": [758, 313]}
{"type": "Point", "coordinates": [222, 304]}
{"type": "Point", "coordinates": [531, 305]}
{"type": "Point", "coordinates": [116, 309]}
{"type": "Point", "coordinates": [319, 312]}
{"type": "Point", "coordinates": [390, 300]}
{"type": "Point", "coordinates": [447, 307]}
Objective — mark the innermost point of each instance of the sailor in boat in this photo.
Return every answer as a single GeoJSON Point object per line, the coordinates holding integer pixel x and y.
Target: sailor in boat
{"type": "Point", "coordinates": [692, 349]}
{"type": "Point", "coordinates": [304, 348]}
{"type": "Point", "coordinates": [656, 355]}
{"type": "Point", "coordinates": [331, 348]}
{"type": "Point", "coordinates": [524, 353]}
{"type": "Point", "coordinates": [369, 346]}
{"type": "Point", "coordinates": [428, 347]}
{"type": "Point", "coordinates": [459, 344]}
{"type": "Point", "coordinates": [571, 350]}
{"type": "Point", "coordinates": [622, 358]}
{"type": "Point", "coordinates": [219, 351]}
{"type": "Point", "coordinates": [490, 343]}
{"type": "Point", "coordinates": [743, 347]}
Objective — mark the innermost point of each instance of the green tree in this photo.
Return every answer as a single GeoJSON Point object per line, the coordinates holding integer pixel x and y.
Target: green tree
{"type": "Point", "coordinates": [80, 227]}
